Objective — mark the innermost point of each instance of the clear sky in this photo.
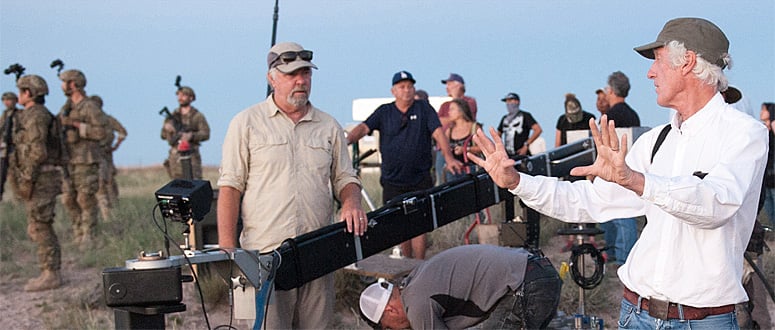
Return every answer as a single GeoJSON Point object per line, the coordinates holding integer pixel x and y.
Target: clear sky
{"type": "Point", "coordinates": [131, 52]}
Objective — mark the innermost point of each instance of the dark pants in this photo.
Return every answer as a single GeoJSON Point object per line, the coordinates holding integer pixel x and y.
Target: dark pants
{"type": "Point", "coordinates": [389, 191]}
{"type": "Point", "coordinates": [532, 306]}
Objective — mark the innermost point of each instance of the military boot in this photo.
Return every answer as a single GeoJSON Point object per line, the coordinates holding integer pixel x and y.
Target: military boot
{"type": "Point", "coordinates": [49, 279]}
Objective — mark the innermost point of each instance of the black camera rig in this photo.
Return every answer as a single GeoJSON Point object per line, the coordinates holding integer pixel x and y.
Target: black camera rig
{"type": "Point", "coordinates": [307, 257]}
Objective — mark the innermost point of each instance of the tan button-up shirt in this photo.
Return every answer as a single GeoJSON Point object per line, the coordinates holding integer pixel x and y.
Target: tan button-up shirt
{"type": "Point", "coordinates": [288, 173]}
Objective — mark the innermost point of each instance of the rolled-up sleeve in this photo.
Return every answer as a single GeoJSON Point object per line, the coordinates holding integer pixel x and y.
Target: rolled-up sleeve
{"type": "Point", "coordinates": [235, 154]}
{"type": "Point", "coordinates": [342, 171]}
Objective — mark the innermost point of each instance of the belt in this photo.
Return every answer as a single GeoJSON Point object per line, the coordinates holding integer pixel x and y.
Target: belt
{"type": "Point", "coordinates": [666, 310]}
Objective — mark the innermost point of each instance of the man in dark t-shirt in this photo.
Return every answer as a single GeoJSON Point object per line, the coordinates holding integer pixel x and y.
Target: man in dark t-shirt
{"type": "Point", "coordinates": [516, 126]}
{"type": "Point", "coordinates": [406, 128]}
{"type": "Point", "coordinates": [620, 112]}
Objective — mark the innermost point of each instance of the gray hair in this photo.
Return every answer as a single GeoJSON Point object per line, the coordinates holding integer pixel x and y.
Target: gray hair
{"type": "Point", "coordinates": [705, 71]}
{"type": "Point", "coordinates": [619, 83]}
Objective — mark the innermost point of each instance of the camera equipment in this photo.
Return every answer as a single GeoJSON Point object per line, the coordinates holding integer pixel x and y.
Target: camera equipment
{"type": "Point", "coordinates": [16, 69]}
{"type": "Point", "coordinates": [185, 200]}
{"type": "Point", "coordinates": [58, 64]}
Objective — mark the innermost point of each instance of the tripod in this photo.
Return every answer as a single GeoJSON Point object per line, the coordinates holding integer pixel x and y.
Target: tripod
{"type": "Point", "coordinates": [578, 270]}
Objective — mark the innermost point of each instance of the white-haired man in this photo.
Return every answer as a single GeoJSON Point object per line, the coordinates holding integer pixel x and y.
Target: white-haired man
{"type": "Point", "coordinates": [685, 269]}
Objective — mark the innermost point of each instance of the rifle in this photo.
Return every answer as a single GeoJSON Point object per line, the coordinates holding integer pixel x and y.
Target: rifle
{"type": "Point", "coordinates": [176, 123]}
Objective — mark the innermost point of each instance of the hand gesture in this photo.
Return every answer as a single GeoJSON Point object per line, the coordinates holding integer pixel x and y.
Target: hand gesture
{"type": "Point", "coordinates": [496, 161]}
{"type": "Point", "coordinates": [609, 164]}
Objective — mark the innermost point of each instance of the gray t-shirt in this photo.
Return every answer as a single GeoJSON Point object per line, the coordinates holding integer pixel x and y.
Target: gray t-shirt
{"type": "Point", "coordinates": [457, 288]}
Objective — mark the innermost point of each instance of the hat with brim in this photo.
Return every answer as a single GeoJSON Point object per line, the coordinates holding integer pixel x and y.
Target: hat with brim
{"type": "Point", "coordinates": [697, 34]}
{"type": "Point", "coordinates": [454, 77]}
{"type": "Point", "coordinates": [510, 96]}
{"type": "Point", "coordinates": [403, 75]}
{"type": "Point", "coordinates": [374, 299]}
{"type": "Point", "coordinates": [273, 58]}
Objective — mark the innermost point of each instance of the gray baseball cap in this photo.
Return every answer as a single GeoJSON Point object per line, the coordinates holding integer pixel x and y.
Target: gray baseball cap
{"type": "Point", "coordinates": [288, 57]}
{"type": "Point", "coordinates": [697, 34]}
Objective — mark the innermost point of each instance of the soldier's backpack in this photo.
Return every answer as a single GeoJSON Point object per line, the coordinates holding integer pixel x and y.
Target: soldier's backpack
{"type": "Point", "coordinates": [55, 143]}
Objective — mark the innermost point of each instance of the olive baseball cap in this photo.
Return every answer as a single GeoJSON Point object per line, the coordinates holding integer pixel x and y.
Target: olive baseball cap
{"type": "Point", "coordinates": [288, 57]}
{"type": "Point", "coordinates": [697, 34]}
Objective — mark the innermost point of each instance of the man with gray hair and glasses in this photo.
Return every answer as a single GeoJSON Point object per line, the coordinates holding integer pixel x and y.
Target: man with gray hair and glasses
{"type": "Point", "coordinates": [698, 184]}
{"type": "Point", "coordinates": [285, 160]}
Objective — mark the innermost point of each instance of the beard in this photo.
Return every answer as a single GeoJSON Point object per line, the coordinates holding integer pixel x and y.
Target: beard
{"type": "Point", "coordinates": [298, 100]}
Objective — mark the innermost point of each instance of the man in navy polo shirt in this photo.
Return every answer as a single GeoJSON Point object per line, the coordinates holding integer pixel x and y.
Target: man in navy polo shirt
{"type": "Point", "coordinates": [406, 128]}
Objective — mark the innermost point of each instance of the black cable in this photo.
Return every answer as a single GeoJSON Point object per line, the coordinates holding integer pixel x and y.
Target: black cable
{"type": "Point", "coordinates": [188, 262]}
{"type": "Point", "coordinates": [597, 277]}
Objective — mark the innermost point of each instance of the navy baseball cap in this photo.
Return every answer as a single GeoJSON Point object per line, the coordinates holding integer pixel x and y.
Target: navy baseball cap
{"type": "Point", "coordinates": [454, 77]}
{"type": "Point", "coordinates": [401, 76]}
{"type": "Point", "coordinates": [510, 96]}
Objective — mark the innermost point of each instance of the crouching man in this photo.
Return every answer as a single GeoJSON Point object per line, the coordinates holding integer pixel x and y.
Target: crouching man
{"type": "Point", "coordinates": [487, 286]}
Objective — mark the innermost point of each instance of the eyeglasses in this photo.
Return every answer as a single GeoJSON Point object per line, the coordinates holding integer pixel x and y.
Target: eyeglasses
{"type": "Point", "coordinates": [288, 57]}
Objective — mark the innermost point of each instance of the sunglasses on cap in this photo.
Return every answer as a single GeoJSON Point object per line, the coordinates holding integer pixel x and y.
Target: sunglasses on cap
{"type": "Point", "coordinates": [288, 57]}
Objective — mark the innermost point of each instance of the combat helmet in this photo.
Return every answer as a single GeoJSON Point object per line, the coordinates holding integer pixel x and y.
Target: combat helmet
{"type": "Point", "coordinates": [188, 91]}
{"type": "Point", "coordinates": [34, 83]}
{"type": "Point", "coordinates": [9, 96]}
{"type": "Point", "coordinates": [74, 75]}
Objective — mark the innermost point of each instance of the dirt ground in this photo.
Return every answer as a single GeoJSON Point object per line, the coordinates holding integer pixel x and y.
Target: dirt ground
{"type": "Point", "coordinates": [83, 287]}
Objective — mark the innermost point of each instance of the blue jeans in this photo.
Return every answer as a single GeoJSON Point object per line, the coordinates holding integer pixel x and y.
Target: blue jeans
{"type": "Point", "coordinates": [769, 205]}
{"type": "Point", "coordinates": [620, 234]}
{"type": "Point", "coordinates": [630, 317]}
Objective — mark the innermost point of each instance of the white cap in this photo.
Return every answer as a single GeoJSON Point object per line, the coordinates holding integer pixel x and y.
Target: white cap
{"type": "Point", "coordinates": [374, 299]}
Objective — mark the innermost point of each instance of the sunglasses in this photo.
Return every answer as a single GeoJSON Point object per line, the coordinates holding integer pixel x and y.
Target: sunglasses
{"type": "Point", "coordinates": [288, 57]}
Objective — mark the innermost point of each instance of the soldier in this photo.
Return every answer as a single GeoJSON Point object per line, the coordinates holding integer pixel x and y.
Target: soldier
{"type": "Point", "coordinates": [107, 194]}
{"type": "Point", "coordinates": [184, 132]}
{"type": "Point", "coordinates": [38, 177]}
{"type": "Point", "coordinates": [84, 125]}
{"type": "Point", "coordinates": [9, 101]}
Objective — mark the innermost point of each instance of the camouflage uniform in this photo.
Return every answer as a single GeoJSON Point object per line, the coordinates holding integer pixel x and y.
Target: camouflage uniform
{"type": "Point", "coordinates": [195, 123]}
{"type": "Point", "coordinates": [3, 118]}
{"type": "Point", "coordinates": [107, 194]}
{"type": "Point", "coordinates": [38, 180]}
{"type": "Point", "coordinates": [85, 154]}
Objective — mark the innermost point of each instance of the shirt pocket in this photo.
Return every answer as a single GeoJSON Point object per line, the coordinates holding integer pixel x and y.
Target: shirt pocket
{"type": "Point", "coordinates": [318, 153]}
{"type": "Point", "coordinates": [263, 146]}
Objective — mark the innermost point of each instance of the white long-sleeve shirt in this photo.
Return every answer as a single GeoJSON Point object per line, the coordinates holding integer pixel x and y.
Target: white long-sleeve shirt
{"type": "Point", "coordinates": [691, 250]}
